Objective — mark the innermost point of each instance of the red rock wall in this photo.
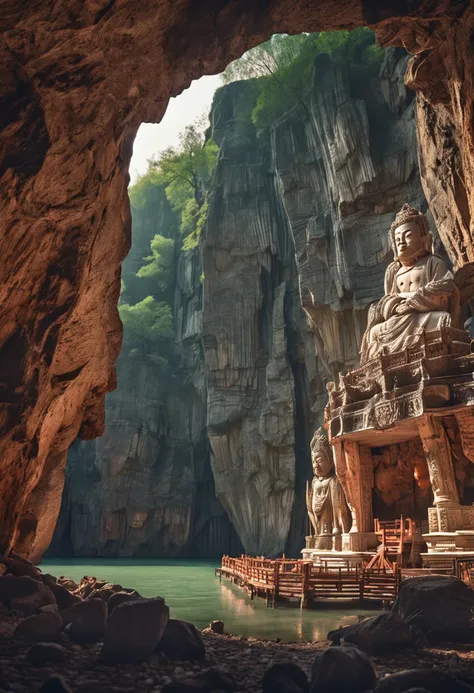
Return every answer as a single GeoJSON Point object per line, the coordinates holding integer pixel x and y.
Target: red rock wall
{"type": "Point", "coordinates": [76, 80]}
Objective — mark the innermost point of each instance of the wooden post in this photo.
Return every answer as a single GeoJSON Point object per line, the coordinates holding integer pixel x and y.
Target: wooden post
{"type": "Point", "coordinates": [276, 580]}
{"type": "Point", "coordinates": [305, 585]}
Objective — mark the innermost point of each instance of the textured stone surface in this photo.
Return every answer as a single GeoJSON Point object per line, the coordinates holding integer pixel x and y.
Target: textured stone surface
{"type": "Point", "coordinates": [134, 629]}
{"type": "Point", "coordinates": [345, 171]}
{"type": "Point", "coordinates": [145, 488]}
{"type": "Point", "coordinates": [252, 334]}
{"type": "Point", "coordinates": [77, 80]}
{"type": "Point", "coordinates": [452, 618]}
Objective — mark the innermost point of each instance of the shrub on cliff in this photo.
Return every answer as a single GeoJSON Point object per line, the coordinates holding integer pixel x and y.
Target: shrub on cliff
{"type": "Point", "coordinates": [185, 172]}
{"type": "Point", "coordinates": [160, 264]}
{"type": "Point", "coordinates": [284, 66]}
{"type": "Point", "coordinates": [147, 330]}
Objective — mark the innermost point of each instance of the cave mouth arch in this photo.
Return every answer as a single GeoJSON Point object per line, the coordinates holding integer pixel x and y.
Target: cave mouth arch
{"type": "Point", "coordinates": [90, 73]}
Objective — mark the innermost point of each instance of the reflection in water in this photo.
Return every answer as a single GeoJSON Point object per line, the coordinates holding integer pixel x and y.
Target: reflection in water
{"type": "Point", "coordinates": [193, 593]}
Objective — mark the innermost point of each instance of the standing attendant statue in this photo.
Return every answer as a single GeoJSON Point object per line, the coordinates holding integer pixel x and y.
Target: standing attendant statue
{"type": "Point", "coordinates": [326, 501]}
{"type": "Point", "coordinates": [420, 293]}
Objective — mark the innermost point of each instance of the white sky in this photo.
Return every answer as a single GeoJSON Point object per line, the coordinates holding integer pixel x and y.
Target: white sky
{"type": "Point", "coordinates": [182, 110]}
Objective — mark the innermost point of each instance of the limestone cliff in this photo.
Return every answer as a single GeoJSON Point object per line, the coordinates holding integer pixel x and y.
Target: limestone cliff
{"type": "Point", "coordinates": [298, 216]}
{"type": "Point", "coordinates": [77, 79]}
{"type": "Point", "coordinates": [344, 171]}
{"type": "Point", "coordinates": [321, 188]}
{"type": "Point", "coordinates": [254, 333]}
{"type": "Point", "coordinates": [145, 488]}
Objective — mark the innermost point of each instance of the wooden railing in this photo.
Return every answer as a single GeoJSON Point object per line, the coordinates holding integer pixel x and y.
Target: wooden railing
{"type": "Point", "coordinates": [301, 580]}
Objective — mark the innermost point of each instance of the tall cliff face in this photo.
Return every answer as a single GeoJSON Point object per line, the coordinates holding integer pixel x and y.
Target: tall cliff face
{"type": "Point", "coordinates": [298, 218]}
{"type": "Point", "coordinates": [344, 171]}
{"type": "Point", "coordinates": [145, 488]}
{"type": "Point", "coordinates": [77, 80]}
{"type": "Point", "coordinates": [253, 333]}
{"type": "Point", "coordinates": [322, 188]}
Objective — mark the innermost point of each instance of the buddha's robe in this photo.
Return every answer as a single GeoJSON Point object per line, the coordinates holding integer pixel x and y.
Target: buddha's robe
{"type": "Point", "coordinates": [433, 305]}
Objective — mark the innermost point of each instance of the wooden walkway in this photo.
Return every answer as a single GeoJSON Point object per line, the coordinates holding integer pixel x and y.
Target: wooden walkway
{"type": "Point", "coordinates": [284, 579]}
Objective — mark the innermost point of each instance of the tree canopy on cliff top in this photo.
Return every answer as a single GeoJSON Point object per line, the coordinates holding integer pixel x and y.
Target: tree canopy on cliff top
{"type": "Point", "coordinates": [283, 67]}
{"type": "Point", "coordinates": [186, 172]}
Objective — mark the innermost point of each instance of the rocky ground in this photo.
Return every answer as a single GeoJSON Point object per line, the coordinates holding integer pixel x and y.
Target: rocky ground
{"type": "Point", "coordinates": [57, 636]}
{"type": "Point", "coordinates": [245, 659]}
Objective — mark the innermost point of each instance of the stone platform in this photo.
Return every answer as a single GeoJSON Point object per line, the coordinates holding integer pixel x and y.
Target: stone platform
{"type": "Point", "coordinates": [333, 560]}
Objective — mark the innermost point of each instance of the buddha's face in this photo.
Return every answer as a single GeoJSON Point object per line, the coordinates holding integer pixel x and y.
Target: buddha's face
{"type": "Point", "coordinates": [408, 241]}
{"type": "Point", "coordinates": [322, 465]}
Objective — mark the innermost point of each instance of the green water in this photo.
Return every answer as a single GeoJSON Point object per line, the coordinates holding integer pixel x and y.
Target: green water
{"type": "Point", "coordinates": [194, 593]}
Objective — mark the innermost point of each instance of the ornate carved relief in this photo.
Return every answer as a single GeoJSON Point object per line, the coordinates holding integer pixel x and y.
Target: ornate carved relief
{"type": "Point", "coordinates": [465, 419]}
{"type": "Point", "coordinates": [440, 464]}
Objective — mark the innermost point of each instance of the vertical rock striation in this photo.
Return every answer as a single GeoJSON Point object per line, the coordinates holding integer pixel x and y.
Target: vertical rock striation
{"type": "Point", "coordinates": [250, 299]}
{"type": "Point", "coordinates": [344, 170]}
{"type": "Point", "coordinates": [145, 488]}
{"type": "Point", "coordinates": [298, 217]}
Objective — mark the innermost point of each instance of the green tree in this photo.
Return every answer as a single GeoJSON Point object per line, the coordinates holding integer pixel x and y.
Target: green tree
{"type": "Point", "coordinates": [283, 67]}
{"type": "Point", "coordinates": [186, 172]}
{"type": "Point", "coordinates": [160, 263]}
{"type": "Point", "coordinates": [147, 330]}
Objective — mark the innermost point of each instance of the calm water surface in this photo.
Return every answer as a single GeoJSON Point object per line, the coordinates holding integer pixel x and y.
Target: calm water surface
{"type": "Point", "coordinates": [193, 593]}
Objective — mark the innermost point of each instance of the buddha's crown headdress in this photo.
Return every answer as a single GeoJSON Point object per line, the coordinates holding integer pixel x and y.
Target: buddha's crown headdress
{"type": "Point", "coordinates": [405, 215]}
{"type": "Point", "coordinates": [320, 445]}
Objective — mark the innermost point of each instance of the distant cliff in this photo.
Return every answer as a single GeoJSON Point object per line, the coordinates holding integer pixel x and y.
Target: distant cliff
{"type": "Point", "coordinates": [298, 219]}
{"type": "Point", "coordinates": [146, 487]}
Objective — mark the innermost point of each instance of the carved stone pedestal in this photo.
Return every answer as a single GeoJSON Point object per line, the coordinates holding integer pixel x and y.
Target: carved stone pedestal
{"type": "Point", "coordinates": [359, 541]}
{"type": "Point", "coordinates": [323, 542]}
{"type": "Point", "coordinates": [451, 519]}
{"type": "Point", "coordinates": [451, 529]}
{"type": "Point", "coordinates": [333, 560]}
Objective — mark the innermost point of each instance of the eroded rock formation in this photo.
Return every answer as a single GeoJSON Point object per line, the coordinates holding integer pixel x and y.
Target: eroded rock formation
{"type": "Point", "coordinates": [325, 184]}
{"type": "Point", "coordinates": [145, 488]}
{"type": "Point", "coordinates": [77, 80]}
{"type": "Point", "coordinates": [253, 334]}
{"type": "Point", "coordinates": [344, 171]}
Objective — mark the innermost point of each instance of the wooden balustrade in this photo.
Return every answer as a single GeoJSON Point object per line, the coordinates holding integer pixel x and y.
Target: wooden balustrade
{"type": "Point", "coordinates": [301, 580]}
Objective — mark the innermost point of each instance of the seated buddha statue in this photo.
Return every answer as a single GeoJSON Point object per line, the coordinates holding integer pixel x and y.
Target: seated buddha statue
{"type": "Point", "coordinates": [420, 293]}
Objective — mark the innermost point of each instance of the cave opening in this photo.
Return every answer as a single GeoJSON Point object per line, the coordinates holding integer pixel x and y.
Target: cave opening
{"type": "Point", "coordinates": [207, 389]}
{"type": "Point", "coordinates": [85, 338]}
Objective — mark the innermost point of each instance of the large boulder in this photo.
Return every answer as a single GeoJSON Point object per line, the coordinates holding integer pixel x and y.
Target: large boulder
{"type": "Point", "coordinates": [441, 606]}
{"type": "Point", "coordinates": [121, 597]}
{"type": "Point", "coordinates": [285, 677]}
{"type": "Point", "coordinates": [86, 620]}
{"type": "Point", "coordinates": [182, 641]}
{"type": "Point", "coordinates": [433, 680]}
{"type": "Point", "coordinates": [55, 684]}
{"type": "Point", "coordinates": [20, 567]}
{"type": "Point", "coordinates": [382, 633]}
{"type": "Point", "coordinates": [134, 630]}
{"type": "Point", "coordinates": [41, 627]}
{"type": "Point", "coordinates": [45, 653]}
{"type": "Point", "coordinates": [12, 587]}
{"type": "Point", "coordinates": [65, 599]}
{"type": "Point", "coordinates": [24, 594]}
{"type": "Point", "coordinates": [342, 670]}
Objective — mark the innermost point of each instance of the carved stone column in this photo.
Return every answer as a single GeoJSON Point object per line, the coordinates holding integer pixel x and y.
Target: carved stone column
{"type": "Point", "coordinates": [440, 464]}
{"type": "Point", "coordinates": [465, 419]}
{"type": "Point", "coordinates": [354, 469]}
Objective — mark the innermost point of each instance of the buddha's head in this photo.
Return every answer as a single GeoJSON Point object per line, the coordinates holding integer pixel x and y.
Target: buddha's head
{"type": "Point", "coordinates": [410, 235]}
{"type": "Point", "coordinates": [321, 455]}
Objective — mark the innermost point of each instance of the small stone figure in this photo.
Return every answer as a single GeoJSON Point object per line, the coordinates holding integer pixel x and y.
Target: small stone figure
{"type": "Point", "coordinates": [420, 293]}
{"type": "Point", "coordinates": [326, 501]}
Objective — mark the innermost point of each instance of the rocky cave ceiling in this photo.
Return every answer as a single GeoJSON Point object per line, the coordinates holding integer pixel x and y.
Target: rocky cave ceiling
{"type": "Point", "coordinates": [77, 78]}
